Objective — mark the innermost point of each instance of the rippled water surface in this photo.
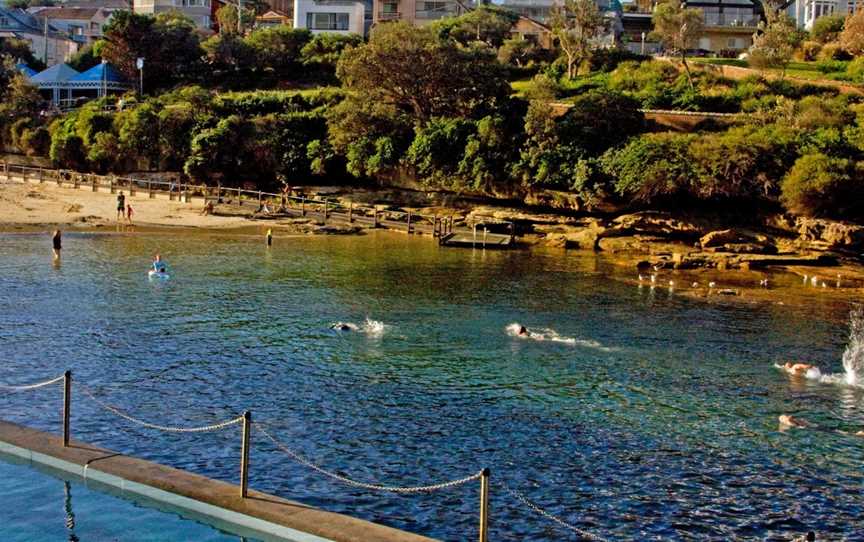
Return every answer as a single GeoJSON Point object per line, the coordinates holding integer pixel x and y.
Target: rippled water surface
{"type": "Point", "coordinates": [649, 416]}
{"type": "Point", "coordinates": [37, 506]}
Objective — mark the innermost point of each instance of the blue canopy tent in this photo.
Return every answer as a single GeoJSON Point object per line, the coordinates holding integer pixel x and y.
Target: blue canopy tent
{"type": "Point", "coordinates": [56, 79]}
{"type": "Point", "coordinates": [25, 69]}
{"type": "Point", "coordinates": [96, 82]}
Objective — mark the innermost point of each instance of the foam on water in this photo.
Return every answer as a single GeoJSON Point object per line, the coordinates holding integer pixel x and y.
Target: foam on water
{"type": "Point", "coordinates": [546, 334]}
{"type": "Point", "coordinates": [853, 356]}
{"type": "Point", "coordinates": [369, 327]}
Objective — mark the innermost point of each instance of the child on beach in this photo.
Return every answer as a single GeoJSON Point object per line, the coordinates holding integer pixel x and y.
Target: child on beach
{"type": "Point", "coordinates": [129, 213]}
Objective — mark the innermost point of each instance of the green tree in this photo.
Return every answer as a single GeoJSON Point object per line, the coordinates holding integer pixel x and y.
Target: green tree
{"type": "Point", "coordinates": [229, 58]}
{"type": "Point", "coordinates": [19, 49]}
{"type": "Point", "coordinates": [104, 152]}
{"type": "Point", "coordinates": [488, 24]}
{"type": "Point", "coordinates": [777, 39]}
{"type": "Point", "coordinates": [227, 18]}
{"type": "Point", "coordinates": [168, 43]}
{"type": "Point", "coordinates": [414, 71]}
{"type": "Point", "coordinates": [86, 57]}
{"type": "Point", "coordinates": [652, 168]}
{"type": "Point", "coordinates": [576, 25]}
{"type": "Point", "coordinates": [278, 49]}
{"type": "Point", "coordinates": [220, 152]}
{"type": "Point", "coordinates": [822, 185]}
{"type": "Point", "coordinates": [678, 27]}
{"type": "Point", "coordinates": [137, 131]}
{"type": "Point", "coordinates": [324, 50]}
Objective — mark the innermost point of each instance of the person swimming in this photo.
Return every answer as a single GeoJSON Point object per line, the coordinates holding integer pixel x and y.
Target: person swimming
{"type": "Point", "coordinates": [788, 420]}
{"type": "Point", "coordinates": [158, 265]}
{"type": "Point", "coordinates": [523, 332]}
{"type": "Point", "coordinates": [797, 368]}
{"type": "Point", "coordinates": [342, 326]}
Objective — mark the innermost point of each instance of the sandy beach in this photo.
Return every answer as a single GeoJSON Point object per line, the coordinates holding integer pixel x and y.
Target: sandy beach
{"type": "Point", "coordinates": [35, 206]}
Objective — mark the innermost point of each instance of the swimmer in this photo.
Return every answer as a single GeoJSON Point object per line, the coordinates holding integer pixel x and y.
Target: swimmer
{"type": "Point", "coordinates": [797, 369]}
{"type": "Point", "coordinates": [787, 420]}
{"type": "Point", "coordinates": [523, 332]}
{"type": "Point", "coordinates": [342, 326]}
{"type": "Point", "coordinates": [158, 264]}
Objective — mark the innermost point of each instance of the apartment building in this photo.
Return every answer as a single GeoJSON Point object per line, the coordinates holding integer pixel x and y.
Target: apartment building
{"type": "Point", "coordinates": [729, 25]}
{"type": "Point", "coordinates": [46, 42]}
{"type": "Point", "coordinates": [330, 16]}
{"type": "Point", "coordinates": [198, 10]}
{"type": "Point", "coordinates": [83, 25]}
{"type": "Point", "coordinates": [417, 12]}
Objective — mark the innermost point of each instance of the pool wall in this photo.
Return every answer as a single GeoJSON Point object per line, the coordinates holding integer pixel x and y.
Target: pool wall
{"type": "Point", "coordinates": [215, 502]}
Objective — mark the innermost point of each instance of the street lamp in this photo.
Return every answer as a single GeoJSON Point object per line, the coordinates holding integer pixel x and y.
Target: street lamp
{"type": "Point", "coordinates": [139, 63]}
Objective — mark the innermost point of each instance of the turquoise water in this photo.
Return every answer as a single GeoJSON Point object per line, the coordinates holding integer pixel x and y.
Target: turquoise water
{"type": "Point", "coordinates": [657, 420]}
{"type": "Point", "coordinates": [43, 507]}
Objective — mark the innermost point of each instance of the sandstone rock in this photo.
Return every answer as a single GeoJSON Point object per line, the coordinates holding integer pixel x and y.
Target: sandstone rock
{"type": "Point", "coordinates": [720, 238]}
{"type": "Point", "coordinates": [332, 229]}
{"type": "Point", "coordinates": [72, 208]}
{"type": "Point", "coordinates": [747, 248]}
{"type": "Point", "coordinates": [653, 223]}
{"type": "Point", "coordinates": [827, 234]}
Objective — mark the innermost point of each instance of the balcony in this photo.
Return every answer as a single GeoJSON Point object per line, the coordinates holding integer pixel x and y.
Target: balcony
{"type": "Point", "coordinates": [389, 15]}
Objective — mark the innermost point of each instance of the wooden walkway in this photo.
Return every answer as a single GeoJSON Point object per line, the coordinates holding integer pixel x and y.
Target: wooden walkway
{"type": "Point", "coordinates": [480, 232]}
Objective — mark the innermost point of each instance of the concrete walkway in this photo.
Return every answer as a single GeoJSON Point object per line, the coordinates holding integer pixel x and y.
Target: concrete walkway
{"type": "Point", "coordinates": [213, 501]}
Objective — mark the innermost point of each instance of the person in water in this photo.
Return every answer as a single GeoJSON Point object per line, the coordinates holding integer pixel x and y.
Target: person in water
{"type": "Point", "coordinates": [58, 244]}
{"type": "Point", "coordinates": [790, 421]}
{"type": "Point", "coordinates": [797, 368]}
{"type": "Point", "coordinates": [158, 264]}
{"type": "Point", "coordinates": [121, 205]}
{"type": "Point", "coordinates": [341, 326]}
{"type": "Point", "coordinates": [523, 332]}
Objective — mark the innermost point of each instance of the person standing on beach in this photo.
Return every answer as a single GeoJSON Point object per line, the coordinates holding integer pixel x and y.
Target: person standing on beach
{"type": "Point", "coordinates": [129, 213]}
{"type": "Point", "coordinates": [269, 237]}
{"type": "Point", "coordinates": [56, 240]}
{"type": "Point", "coordinates": [121, 205]}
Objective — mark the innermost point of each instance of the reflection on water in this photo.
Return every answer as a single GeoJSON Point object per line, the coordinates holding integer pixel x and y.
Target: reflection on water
{"type": "Point", "coordinates": [666, 429]}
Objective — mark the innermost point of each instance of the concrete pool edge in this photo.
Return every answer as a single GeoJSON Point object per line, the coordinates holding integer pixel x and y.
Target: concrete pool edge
{"type": "Point", "coordinates": [201, 496]}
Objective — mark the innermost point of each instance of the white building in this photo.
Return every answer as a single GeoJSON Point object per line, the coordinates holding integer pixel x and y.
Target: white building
{"type": "Point", "coordinates": [197, 10]}
{"type": "Point", "coordinates": [48, 44]}
{"type": "Point", "coordinates": [336, 16]}
{"type": "Point", "coordinates": [806, 12]}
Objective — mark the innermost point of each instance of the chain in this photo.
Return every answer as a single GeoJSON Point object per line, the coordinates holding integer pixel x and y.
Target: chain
{"type": "Point", "coordinates": [118, 412]}
{"type": "Point", "coordinates": [32, 386]}
{"type": "Point", "coordinates": [418, 489]}
{"type": "Point", "coordinates": [524, 500]}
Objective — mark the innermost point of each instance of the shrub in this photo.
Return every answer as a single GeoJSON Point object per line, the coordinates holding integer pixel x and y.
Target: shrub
{"type": "Point", "coordinates": [827, 28]}
{"type": "Point", "coordinates": [810, 50]}
{"type": "Point", "coordinates": [855, 69]}
{"type": "Point", "coordinates": [651, 82]}
{"type": "Point", "coordinates": [438, 147]}
{"type": "Point", "coordinates": [36, 141]}
{"type": "Point", "coordinates": [263, 102]}
{"type": "Point", "coordinates": [651, 168]}
{"type": "Point", "coordinates": [820, 185]}
{"type": "Point", "coordinates": [833, 51]}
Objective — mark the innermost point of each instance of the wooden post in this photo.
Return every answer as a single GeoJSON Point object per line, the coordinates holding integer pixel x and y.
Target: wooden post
{"type": "Point", "coordinates": [131, 187]}
{"type": "Point", "coordinates": [375, 217]}
{"type": "Point", "coordinates": [41, 175]}
{"type": "Point", "coordinates": [484, 505]}
{"type": "Point", "coordinates": [76, 180]}
{"type": "Point", "coordinates": [259, 198]}
{"type": "Point", "coordinates": [244, 455]}
{"type": "Point", "coordinates": [512, 231]}
{"type": "Point", "coordinates": [474, 237]}
{"type": "Point", "coordinates": [485, 231]}
{"type": "Point", "coordinates": [111, 184]}
{"type": "Point", "coordinates": [325, 209]}
{"type": "Point", "coordinates": [239, 202]}
{"type": "Point", "coordinates": [93, 181]}
{"type": "Point", "coordinates": [67, 404]}
{"type": "Point", "coordinates": [408, 229]}
{"type": "Point", "coordinates": [350, 212]}
{"type": "Point", "coordinates": [302, 205]}
{"type": "Point", "coordinates": [150, 193]}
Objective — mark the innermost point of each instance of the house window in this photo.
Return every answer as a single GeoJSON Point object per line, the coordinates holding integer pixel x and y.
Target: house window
{"type": "Point", "coordinates": [327, 21]}
{"type": "Point", "coordinates": [390, 7]}
{"type": "Point", "coordinates": [205, 21]}
{"type": "Point", "coordinates": [4, 21]}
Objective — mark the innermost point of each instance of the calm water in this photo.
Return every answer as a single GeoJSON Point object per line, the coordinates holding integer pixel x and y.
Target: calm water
{"type": "Point", "coordinates": [659, 419]}
{"type": "Point", "coordinates": [39, 506]}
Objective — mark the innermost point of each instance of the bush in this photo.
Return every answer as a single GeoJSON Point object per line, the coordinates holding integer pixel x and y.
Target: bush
{"type": "Point", "coordinates": [36, 142]}
{"type": "Point", "coordinates": [819, 185]}
{"type": "Point", "coordinates": [651, 82]}
{"type": "Point", "coordinates": [264, 102]}
{"type": "Point", "coordinates": [833, 51]}
{"type": "Point", "coordinates": [810, 50]}
{"type": "Point", "coordinates": [827, 28]}
{"type": "Point", "coordinates": [606, 60]}
{"type": "Point", "coordinates": [652, 168]}
{"type": "Point", "coordinates": [855, 69]}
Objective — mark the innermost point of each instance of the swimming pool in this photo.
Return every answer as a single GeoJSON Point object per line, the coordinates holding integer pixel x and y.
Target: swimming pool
{"type": "Point", "coordinates": [654, 416]}
{"type": "Point", "coordinates": [42, 505]}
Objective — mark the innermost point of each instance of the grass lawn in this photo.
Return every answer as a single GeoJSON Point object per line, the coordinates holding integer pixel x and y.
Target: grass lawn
{"type": "Point", "coordinates": [835, 70]}
{"type": "Point", "coordinates": [522, 86]}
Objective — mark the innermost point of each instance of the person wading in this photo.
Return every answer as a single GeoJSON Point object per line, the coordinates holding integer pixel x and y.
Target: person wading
{"type": "Point", "coordinates": [58, 244]}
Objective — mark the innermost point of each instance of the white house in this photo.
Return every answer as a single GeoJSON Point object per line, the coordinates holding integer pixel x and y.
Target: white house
{"type": "Point", "coordinates": [48, 44]}
{"type": "Point", "coordinates": [806, 12]}
{"type": "Point", "coordinates": [336, 16]}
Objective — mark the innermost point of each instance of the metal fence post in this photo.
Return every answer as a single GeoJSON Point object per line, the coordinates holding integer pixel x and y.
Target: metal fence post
{"type": "Point", "coordinates": [67, 404]}
{"type": "Point", "coordinates": [484, 505]}
{"type": "Point", "coordinates": [244, 455]}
